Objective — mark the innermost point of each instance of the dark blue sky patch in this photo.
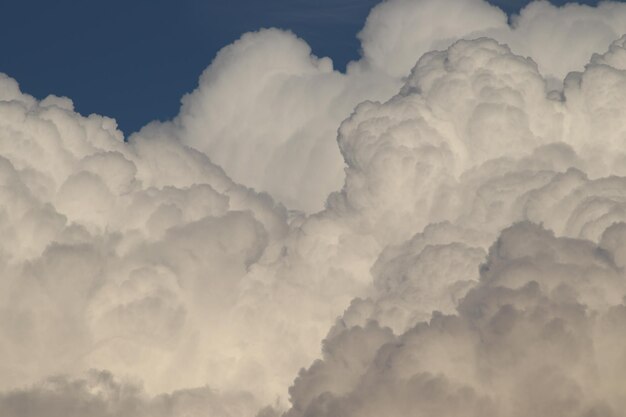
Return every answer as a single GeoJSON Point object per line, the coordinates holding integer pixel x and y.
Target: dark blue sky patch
{"type": "Point", "coordinates": [514, 6]}
{"type": "Point", "coordinates": [133, 60]}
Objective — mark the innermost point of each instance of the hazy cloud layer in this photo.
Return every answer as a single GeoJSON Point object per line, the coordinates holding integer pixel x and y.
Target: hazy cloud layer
{"type": "Point", "coordinates": [472, 262]}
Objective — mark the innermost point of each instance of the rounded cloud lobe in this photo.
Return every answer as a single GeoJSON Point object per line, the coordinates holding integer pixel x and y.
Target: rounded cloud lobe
{"type": "Point", "coordinates": [470, 260]}
{"type": "Point", "coordinates": [266, 107]}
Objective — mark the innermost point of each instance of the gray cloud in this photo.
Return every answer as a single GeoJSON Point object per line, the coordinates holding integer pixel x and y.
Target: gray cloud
{"type": "Point", "coordinates": [523, 341]}
{"type": "Point", "coordinates": [99, 394]}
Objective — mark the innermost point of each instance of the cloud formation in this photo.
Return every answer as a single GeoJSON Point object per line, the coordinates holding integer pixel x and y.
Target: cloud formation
{"type": "Point", "coordinates": [531, 328]}
{"type": "Point", "coordinates": [469, 261]}
{"type": "Point", "coordinates": [99, 394]}
{"type": "Point", "coordinates": [539, 334]}
{"type": "Point", "coordinates": [277, 131]}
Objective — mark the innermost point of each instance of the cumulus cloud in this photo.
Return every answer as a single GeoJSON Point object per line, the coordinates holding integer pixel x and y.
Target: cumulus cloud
{"type": "Point", "coordinates": [267, 110]}
{"type": "Point", "coordinates": [117, 253]}
{"type": "Point", "coordinates": [469, 261]}
{"type": "Point", "coordinates": [537, 335]}
{"type": "Point", "coordinates": [448, 330]}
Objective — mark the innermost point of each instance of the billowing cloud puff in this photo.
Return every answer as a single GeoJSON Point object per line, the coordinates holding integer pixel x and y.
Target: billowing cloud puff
{"type": "Point", "coordinates": [539, 334]}
{"type": "Point", "coordinates": [469, 260]}
{"type": "Point", "coordinates": [478, 142]}
{"type": "Point", "coordinates": [116, 254]}
{"type": "Point", "coordinates": [282, 118]}
{"type": "Point", "coordinates": [267, 111]}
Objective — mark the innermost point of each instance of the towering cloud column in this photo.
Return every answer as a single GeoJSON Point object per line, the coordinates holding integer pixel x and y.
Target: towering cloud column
{"type": "Point", "coordinates": [466, 257]}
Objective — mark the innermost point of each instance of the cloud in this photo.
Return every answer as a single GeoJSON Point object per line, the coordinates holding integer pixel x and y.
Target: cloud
{"type": "Point", "coordinates": [525, 340]}
{"type": "Point", "coordinates": [116, 254]}
{"type": "Point", "coordinates": [99, 394]}
{"type": "Point", "coordinates": [267, 110]}
{"type": "Point", "coordinates": [462, 154]}
{"type": "Point", "coordinates": [282, 117]}
{"type": "Point", "coordinates": [472, 247]}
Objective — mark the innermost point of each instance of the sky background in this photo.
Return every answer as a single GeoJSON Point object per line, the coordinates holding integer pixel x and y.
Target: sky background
{"type": "Point", "coordinates": [133, 60]}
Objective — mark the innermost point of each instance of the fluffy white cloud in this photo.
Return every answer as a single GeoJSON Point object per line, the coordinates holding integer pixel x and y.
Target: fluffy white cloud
{"type": "Point", "coordinates": [193, 294]}
{"type": "Point", "coordinates": [267, 111]}
{"type": "Point", "coordinates": [473, 143]}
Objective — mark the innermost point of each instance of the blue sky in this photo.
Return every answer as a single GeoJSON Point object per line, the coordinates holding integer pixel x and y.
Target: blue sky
{"type": "Point", "coordinates": [133, 60]}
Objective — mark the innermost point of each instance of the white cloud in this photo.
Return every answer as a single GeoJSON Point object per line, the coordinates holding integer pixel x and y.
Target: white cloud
{"type": "Point", "coordinates": [143, 259]}
{"type": "Point", "coordinates": [267, 111]}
